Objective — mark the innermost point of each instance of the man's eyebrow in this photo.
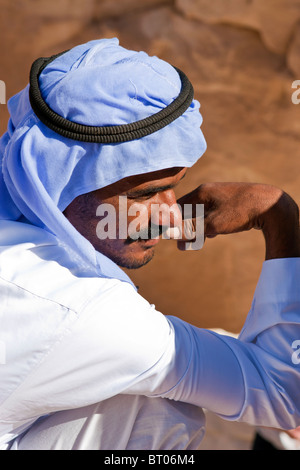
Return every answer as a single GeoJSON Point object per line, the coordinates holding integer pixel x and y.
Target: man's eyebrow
{"type": "Point", "coordinates": [152, 189]}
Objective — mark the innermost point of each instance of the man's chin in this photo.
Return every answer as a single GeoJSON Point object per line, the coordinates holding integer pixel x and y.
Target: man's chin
{"type": "Point", "coordinates": [134, 261]}
{"type": "Point", "coordinates": [132, 255]}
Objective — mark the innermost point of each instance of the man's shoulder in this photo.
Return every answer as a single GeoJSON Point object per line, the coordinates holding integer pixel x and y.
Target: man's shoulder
{"type": "Point", "coordinates": [32, 260]}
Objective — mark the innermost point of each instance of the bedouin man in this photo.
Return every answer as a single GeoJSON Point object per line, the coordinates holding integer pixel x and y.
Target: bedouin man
{"type": "Point", "coordinates": [86, 362]}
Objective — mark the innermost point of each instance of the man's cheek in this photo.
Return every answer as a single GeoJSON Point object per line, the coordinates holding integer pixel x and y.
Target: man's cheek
{"type": "Point", "coordinates": [106, 228]}
{"type": "Point", "coordinates": [138, 221]}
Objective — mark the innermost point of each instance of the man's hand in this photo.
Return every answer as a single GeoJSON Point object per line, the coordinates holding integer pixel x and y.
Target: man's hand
{"type": "Point", "coordinates": [236, 207]}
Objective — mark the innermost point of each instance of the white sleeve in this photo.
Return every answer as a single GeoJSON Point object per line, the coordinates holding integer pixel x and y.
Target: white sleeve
{"type": "Point", "coordinates": [255, 378]}
{"type": "Point", "coordinates": [120, 344]}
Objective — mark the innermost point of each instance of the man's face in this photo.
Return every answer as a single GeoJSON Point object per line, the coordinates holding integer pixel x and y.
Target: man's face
{"type": "Point", "coordinates": [130, 201]}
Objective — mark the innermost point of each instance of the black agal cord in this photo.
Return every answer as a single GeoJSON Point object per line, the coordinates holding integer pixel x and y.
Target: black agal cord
{"type": "Point", "coordinates": [105, 134]}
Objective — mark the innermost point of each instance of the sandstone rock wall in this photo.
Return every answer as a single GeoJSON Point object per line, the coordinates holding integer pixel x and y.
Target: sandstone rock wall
{"type": "Point", "coordinates": [242, 57]}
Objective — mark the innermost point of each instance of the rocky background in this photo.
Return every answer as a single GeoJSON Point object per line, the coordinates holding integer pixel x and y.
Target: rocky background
{"type": "Point", "coordinates": [242, 57]}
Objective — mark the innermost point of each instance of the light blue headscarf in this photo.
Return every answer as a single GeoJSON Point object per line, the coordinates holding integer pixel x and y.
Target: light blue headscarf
{"type": "Point", "coordinates": [98, 83]}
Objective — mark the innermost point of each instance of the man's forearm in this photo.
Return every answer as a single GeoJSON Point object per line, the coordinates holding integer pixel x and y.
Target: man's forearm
{"type": "Point", "coordinates": [280, 226]}
{"type": "Point", "coordinates": [238, 207]}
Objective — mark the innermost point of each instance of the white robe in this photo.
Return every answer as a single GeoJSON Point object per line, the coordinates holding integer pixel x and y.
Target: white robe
{"type": "Point", "coordinates": [92, 354]}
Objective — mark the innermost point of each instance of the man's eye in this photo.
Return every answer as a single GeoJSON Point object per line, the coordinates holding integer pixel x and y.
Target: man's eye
{"type": "Point", "coordinates": [142, 197]}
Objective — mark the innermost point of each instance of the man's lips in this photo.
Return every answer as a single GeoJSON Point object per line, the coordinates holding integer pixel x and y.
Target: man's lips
{"type": "Point", "coordinates": [148, 236]}
{"type": "Point", "coordinates": [150, 241]}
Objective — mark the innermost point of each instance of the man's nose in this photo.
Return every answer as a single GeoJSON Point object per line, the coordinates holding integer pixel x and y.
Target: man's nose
{"type": "Point", "coordinates": [165, 211]}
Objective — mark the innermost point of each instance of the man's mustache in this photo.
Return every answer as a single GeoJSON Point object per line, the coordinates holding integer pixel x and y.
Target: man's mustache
{"type": "Point", "coordinates": [146, 233]}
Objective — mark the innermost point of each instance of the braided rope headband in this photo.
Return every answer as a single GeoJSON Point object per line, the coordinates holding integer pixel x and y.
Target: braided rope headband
{"type": "Point", "coordinates": [105, 134]}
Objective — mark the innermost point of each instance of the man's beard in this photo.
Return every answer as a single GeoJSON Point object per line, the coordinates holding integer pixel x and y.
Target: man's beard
{"type": "Point", "coordinates": [130, 261]}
